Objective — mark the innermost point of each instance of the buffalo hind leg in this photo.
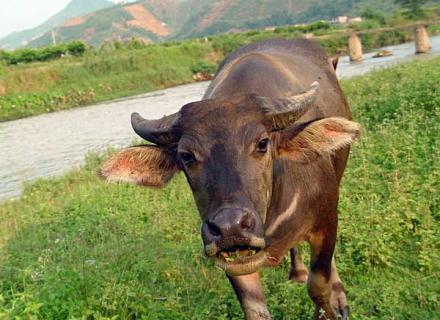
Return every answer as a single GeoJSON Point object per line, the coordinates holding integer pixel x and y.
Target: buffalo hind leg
{"type": "Point", "coordinates": [338, 297]}
{"type": "Point", "coordinates": [298, 271]}
{"type": "Point", "coordinates": [319, 284]}
{"type": "Point", "coordinates": [251, 295]}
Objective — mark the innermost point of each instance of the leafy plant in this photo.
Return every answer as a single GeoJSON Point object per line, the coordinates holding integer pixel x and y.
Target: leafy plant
{"type": "Point", "coordinates": [413, 8]}
{"type": "Point", "coordinates": [203, 67]}
{"type": "Point", "coordinates": [75, 48]}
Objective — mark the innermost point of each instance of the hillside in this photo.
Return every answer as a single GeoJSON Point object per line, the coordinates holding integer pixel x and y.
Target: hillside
{"type": "Point", "coordinates": [159, 20]}
{"type": "Point", "coordinates": [146, 20]}
{"type": "Point", "coordinates": [75, 8]}
{"type": "Point", "coordinates": [221, 16]}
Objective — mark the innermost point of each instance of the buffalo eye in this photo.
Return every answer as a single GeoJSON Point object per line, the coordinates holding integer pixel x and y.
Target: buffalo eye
{"type": "Point", "coordinates": [187, 158]}
{"type": "Point", "coordinates": [262, 145]}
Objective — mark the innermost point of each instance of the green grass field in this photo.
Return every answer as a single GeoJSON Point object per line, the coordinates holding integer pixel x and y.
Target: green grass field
{"type": "Point", "coordinates": [77, 248]}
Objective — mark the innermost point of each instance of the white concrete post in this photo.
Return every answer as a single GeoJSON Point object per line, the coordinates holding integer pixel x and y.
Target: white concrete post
{"type": "Point", "coordinates": [422, 40]}
{"type": "Point", "coordinates": [355, 47]}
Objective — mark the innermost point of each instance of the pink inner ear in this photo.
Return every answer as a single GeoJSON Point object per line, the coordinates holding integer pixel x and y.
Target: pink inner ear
{"type": "Point", "coordinates": [122, 165]}
{"type": "Point", "coordinates": [331, 133]}
{"type": "Point", "coordinates": [332, 129]}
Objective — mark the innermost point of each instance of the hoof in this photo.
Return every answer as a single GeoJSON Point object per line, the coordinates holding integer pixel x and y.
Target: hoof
{"type": "Point", "coordinates": [343, 313]}
{"type": "Point", "coordinates": [339, 301]}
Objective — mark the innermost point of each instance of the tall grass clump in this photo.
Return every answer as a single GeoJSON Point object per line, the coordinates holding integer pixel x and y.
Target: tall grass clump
{"type": "Point", "coordinates": [75, 247]}
{"type": "Point", "coordinates": [74, 48]}
{"type": "Point", "coordinates": [97, 76]}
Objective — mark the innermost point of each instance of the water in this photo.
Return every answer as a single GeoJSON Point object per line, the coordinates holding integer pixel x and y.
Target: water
{"type": "Point", "coordinates": [50, 144]}
{"type": "Point", "coordinates": [401, 53]}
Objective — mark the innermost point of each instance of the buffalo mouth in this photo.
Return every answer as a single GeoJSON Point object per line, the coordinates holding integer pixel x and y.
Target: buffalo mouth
{"type": "Point", "coordinates": [239, 259]}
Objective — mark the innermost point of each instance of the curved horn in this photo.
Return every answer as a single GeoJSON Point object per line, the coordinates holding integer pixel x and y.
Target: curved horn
{"type": "Point", "coordinates": [156, 131]}
{"type": "Point", "coordinates": [283, 112]}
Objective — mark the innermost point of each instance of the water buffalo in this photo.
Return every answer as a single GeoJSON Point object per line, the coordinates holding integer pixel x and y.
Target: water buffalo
{"type": "Point", "coordinates": [263, 153]}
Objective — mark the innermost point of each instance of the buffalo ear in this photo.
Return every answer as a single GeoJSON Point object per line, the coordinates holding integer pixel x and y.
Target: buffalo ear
{"type": "Point", "coordinates": [147, 165]}
{"type": "Point", "coordinates": [306, 141]}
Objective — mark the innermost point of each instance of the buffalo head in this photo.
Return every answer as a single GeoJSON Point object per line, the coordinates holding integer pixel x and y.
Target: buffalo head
{"type": "Point", "coordinates": [227, 149]}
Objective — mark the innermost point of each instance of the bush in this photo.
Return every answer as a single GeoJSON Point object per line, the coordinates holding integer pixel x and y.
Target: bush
{"type": "Point", "coordinates": [51, 53]}
{"type": "Point", "coordinates": [371, 14]}
{"type": "Point", "coordinates": [75, 48]}
{"type": "Point", "coordinates": [22, 55]}
{"type": "Point", "coordinates": [3, 55]}
{"type": "Point", "coordinates": [136, 44]}
{"type": "Point", "coordinates": [366, 24]}
{"type": "Point", "coordinates": [320, 25]}
{"type": "Point", "coordinates": [203, 67]}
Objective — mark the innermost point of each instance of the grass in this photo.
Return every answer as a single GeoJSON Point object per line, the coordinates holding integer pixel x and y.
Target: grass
{"type": "Point", "coordinates": [36, 88]}
{"type": "Point", "coordinates": [45, 87]}
{"type": "Point", "coordinates": [74, 247]}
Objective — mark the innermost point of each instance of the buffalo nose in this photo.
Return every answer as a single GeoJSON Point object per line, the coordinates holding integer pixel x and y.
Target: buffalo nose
{"type": "Point", "coordinates": [231, 222]}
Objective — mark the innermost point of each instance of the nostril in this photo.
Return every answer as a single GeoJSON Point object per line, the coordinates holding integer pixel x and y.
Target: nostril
{"type": "Point", "coordinates": [213, 228]}
{"type": "Point", "coordinates": [247, 222]}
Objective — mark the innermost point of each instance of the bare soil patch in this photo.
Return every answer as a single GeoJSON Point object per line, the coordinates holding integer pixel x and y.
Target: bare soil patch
{"type": "Point", "coordinates": [74, 22]}
{"type": "Point", "coordinates": [143, 19]}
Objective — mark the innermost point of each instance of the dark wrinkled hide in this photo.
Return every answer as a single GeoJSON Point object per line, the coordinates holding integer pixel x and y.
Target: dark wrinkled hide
{"type": "Point", "coordinates": [272, 200]}
{"type": "Point", "coordinates": [274, 68]}
{"type": "Point", "coordinates": [278, 68]}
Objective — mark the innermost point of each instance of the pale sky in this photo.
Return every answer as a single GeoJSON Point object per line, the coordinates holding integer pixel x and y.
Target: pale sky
{"type": "Point", "coordinates": [17, 15]}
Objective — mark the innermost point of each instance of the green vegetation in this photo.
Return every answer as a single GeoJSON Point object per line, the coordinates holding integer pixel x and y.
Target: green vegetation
{"type": "Point", "coordinates": [69, 82]}
{"type": "Point", "coordinates": [203, 67]}
{"type": "Point", "coordinates": [184, 19]}
{"type": "Point", "coordinates": [118, 69]}
{"type": "Point", "coordinates": [74, 48]}
{"type": "Point", "coordinates": [75, 247]}
{"type": "Point", "coordinates": [414, 8]}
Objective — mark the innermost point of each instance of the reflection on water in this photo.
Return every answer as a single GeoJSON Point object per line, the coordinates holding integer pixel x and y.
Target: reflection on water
{"type": "Point", "coordinates": [50, 144]}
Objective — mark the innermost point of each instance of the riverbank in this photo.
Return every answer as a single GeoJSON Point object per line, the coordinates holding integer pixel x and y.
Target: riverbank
{"type": "Point", "coordinates": [76, 247]}
{"type": "Point", "coordinates": [36, 88]}
{"type": "Point", "coordinates": [48, 153]}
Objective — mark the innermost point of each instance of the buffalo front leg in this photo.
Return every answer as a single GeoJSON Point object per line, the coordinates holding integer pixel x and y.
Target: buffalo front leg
{"type": "Point", "coordinates": [298, 271]}
{"type": "Point", "coordinates": [338, 298]}
{"type": "Point", "coordinates": [319, 284]}
{"type": "Point", "coordinates": [251, 295]}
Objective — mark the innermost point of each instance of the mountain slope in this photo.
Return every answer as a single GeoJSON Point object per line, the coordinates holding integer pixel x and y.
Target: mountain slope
{"type": "Point", "coordinates": [148, 20]}
{"type": "Point", "coordinates": [221, 16]}
{"type": "Point", "coordinates": [75, 8]}
{"type": "Point", "coordinates": [159, 20]}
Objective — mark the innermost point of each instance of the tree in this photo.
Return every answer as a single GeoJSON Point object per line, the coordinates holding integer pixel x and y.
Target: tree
{"type": "Point", "coordinates": [372, 14]}
{"type": "Point", "coordinates": [413, 7]}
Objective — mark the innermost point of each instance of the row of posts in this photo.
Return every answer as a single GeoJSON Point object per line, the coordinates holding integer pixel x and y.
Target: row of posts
{"type": "Point", "coordinates": [420, 36]}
